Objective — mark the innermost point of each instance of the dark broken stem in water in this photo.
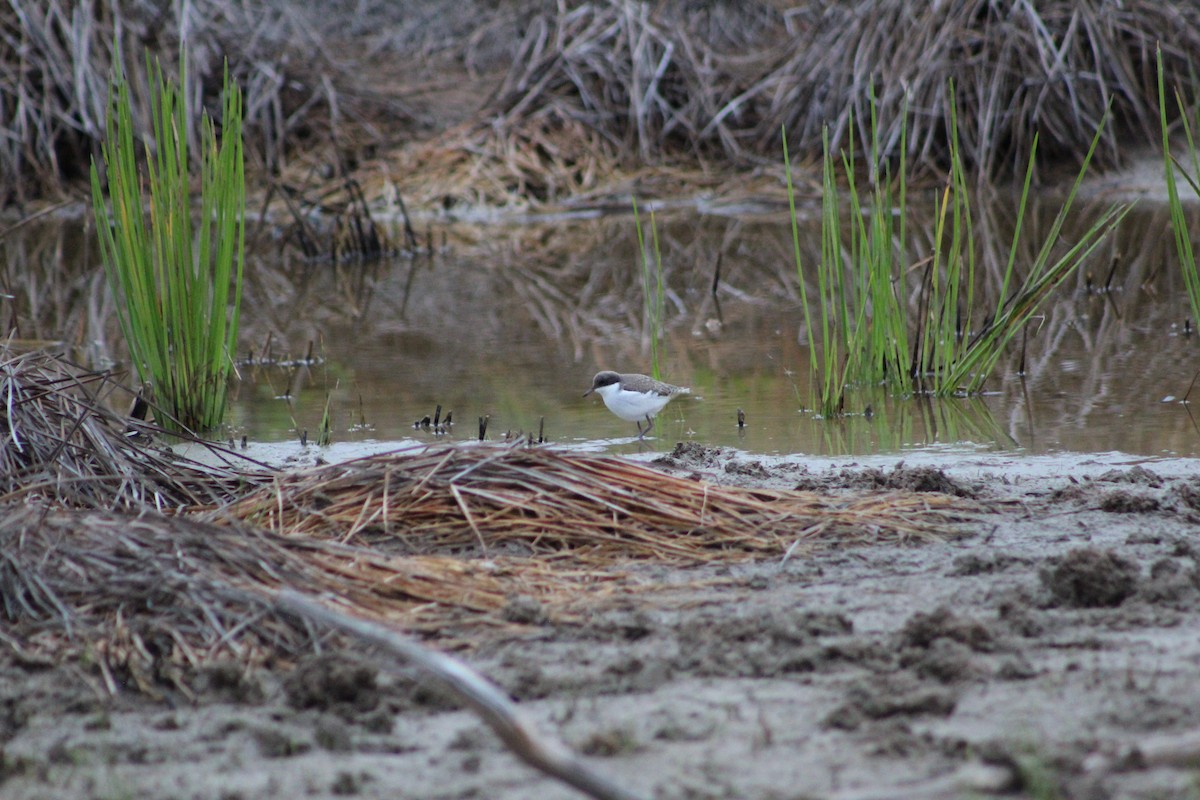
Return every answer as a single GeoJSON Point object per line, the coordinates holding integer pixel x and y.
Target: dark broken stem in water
{"type": "Point", "coordinates": [437, 415]}
{"type": "Point", "coordinates": [1112, 270]}
{"type": "Point", "coordinates": [410, 234]}
{"type": "Point", "coordinates": [541, 430]}
{"type": "Point", "coordinates": [1024, 345]}
{"type": "Point", "coordinates": [486, 700]}
{"type": "Point", "coordinates": [1191, 386]}
{"type": "Point", "coordinates": [483, 423]}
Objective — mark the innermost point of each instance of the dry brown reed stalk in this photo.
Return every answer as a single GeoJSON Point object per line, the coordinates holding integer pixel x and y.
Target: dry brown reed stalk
{"type": "Point", "coordinates": [61, 444]}
{"type": "Point", "coordinates": [1050, 68]}
{"type": "Point", "coordinates": [586, 509]}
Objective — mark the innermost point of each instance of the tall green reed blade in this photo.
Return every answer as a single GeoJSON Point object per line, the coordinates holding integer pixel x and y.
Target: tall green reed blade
{"type": "Point", "coordinates": [826, 348]}
{"type": "Point", "coordinates": [814, 361]}
{"type": "Point", "coordinates": [653, 296]}
{"type": "Point", "coordinates": [1179, 223]}
{"type": "Point", "coordinates": [178, 284]}
{"type": "Point", "coordinates": [950, 273]}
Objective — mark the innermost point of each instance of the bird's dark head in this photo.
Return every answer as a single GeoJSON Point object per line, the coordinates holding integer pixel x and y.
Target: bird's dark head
{"type": "Point", "coordinates": [602, 379]}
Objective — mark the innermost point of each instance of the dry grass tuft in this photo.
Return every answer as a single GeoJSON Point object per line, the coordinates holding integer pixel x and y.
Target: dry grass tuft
{"type": "Point", "coordinates": [588, 509]}
{"type": "Point", "coordinates": [61, 444]}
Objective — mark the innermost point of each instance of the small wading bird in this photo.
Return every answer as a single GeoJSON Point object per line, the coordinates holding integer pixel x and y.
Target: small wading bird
{"type": "Point", "coordinates": [634, 397]}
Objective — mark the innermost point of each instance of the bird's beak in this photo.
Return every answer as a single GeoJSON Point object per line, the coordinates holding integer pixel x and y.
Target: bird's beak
{"type": "Point", "coordinates": [589, 391]}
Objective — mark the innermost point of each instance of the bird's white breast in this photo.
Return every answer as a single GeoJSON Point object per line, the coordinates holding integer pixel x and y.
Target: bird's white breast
{"type": "Point", "coordinates": [632, 406]}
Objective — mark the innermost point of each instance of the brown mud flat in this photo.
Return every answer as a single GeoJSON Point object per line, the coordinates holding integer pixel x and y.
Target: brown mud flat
{"type": "Point", "coordinates": [1052, 651]}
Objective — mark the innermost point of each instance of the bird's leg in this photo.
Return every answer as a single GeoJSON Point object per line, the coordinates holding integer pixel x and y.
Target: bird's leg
{"type": "Point", "coordinates": [649, 425]}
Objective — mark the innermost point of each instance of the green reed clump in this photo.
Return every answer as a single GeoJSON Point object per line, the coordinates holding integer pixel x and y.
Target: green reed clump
{"type": "Point", "coordinates": [652, 291]}
{"type": "Point", "coordinates": [1179, 222]}
{"type": "Point", "coordinates": [176, 272]}
{"type": "Point", "coordinates": [868, 333]}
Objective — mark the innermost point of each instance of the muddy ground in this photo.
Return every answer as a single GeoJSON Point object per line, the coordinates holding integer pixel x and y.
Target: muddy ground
{"type": "Point", "coordinates": [1053, 650]}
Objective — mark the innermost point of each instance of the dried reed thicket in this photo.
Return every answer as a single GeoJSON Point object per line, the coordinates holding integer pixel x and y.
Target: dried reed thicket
{"type": "Point", "coordinates": [57, 59]}
{"type": "Point", "coordinates": [579, 508]}
{"type": "Point", "coordinates": [603, 86]}
{"type": "Point", "coordinates": [657, 80]}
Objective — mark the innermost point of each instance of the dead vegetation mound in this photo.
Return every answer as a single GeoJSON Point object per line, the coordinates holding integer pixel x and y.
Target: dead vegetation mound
{"type": "Point", "coordinates": [589, 508]}
{"type": "Point", "coordinates": [58, 59]}
{"type": "Point", "coordinates": [156, 568]}
{"type": "Point", "coordinates": [61, 444]}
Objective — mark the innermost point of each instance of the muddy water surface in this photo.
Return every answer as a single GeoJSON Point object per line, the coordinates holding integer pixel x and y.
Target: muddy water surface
{"type": "Point", "coordinates": [510, 321]}
{"type": "Point", "coordinates": [517, 334]}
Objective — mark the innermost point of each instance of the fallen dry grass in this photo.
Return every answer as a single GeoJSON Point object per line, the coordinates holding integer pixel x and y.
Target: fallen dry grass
{"type": "Point", "coordinates": [153, 599]}
{"type": "Point", "coordinates": [583, 508]}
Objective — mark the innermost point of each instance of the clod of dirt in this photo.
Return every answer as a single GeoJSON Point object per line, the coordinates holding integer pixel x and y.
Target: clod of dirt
{"type": "Point", "coordinates": [609, 743]}
{"type": "Point", "coordinates": [1186, 494]}
{"type": "Point", "coordinates": [910, 479]}
{"type": "Point", "coordinates": [922, 630]}
{"type": "Point", "coordinates": [761, 643]}
{"type": "Point", "coordinates": [1121, 501]}
{"type": "Point", "coordinates": [1136, 475]}
{"type": "Point", "coordinates": [1072, 492]}
{"type": "Point", "coordinates": [691, 455]}
{"type": "Point", "coordinates": [1171, 582]}
{"type": "Point", "coordinates": [982, 564]}
{"type": "Point", "coordinates": [277, 743]}
{"type": "Point", "coordinates": [926, 479]}
{"type": "Point", "coordinates": [332, 681]}
{"type": "Point", "coordinates": [944, 660]}
{"type": "Point", "coordinates": [890, 697]}
{"type": "Point", "coordinates": [1091, 578]}
{"type": "Point", "coordinates": [231, 682]}
{"type": "Point", "coordinates": [753, 469]}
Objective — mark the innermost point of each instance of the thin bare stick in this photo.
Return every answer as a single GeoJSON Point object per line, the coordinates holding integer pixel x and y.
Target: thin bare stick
{"type": "Point", "coordinates": [500, 713]}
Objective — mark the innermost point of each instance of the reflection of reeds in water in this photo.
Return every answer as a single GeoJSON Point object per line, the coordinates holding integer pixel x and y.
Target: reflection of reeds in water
{"type": "Point", "coordinates": [891, 425]}
{"type": "Point", "coordinates": [652, 292]}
